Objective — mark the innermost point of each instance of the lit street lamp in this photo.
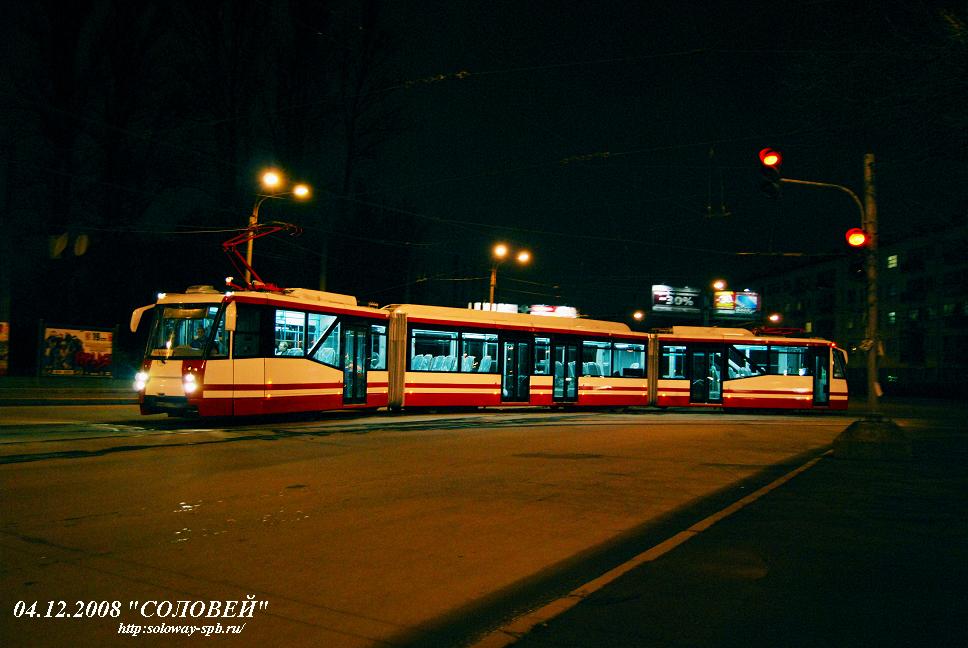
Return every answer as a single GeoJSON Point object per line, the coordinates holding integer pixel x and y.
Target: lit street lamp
{"type": "Point", "coordinates": [500, 253]}
{"type": "Point", "coordinates": [271, 181]}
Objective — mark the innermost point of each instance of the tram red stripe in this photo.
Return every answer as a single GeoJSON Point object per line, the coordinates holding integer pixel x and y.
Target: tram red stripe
{"type": "Point", "coordinates": [283, 386]}
{"type": "Point", "coordinates": [490, 385]}
{"type": "Point", "coordinates": [314, 308]}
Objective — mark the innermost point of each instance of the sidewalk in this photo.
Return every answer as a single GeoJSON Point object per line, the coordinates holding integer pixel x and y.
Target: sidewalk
{"type": "Point", "coordinates": [66, 391]}
{"type": "Point", "coordinates": [848, 553]}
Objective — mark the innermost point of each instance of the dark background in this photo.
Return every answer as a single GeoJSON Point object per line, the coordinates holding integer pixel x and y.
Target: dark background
{"type": "Point", "coordinates": [617, 141]}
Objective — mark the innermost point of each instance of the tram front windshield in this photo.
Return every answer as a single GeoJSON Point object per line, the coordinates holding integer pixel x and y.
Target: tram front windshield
{"type": "Point", "coordinates": [185, 331]}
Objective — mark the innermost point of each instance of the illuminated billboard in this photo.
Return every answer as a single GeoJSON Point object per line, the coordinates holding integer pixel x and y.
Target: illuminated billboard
{"type": "Point", "coordinates": [667, 299]}
{"type": "Point", "coordinates": [728, 303]}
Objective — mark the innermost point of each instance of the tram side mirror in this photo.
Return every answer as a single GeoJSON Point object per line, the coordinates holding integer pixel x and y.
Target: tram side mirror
{"type": "Point", "coordinates": [230, 317]}
{"type": "Point", "coordinates": [136, 316]}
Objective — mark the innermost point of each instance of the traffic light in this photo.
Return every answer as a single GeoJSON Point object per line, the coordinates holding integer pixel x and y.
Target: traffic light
{"type": "Point", "coordinates": [770, 160]}
{"type": "Point", "coordinates": [856, 237]}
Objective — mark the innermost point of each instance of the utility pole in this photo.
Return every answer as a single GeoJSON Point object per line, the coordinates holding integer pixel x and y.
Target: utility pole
{"type": "Point", "coordinates": [868, 219]}
{"type": "Point", "coordinates": [870, 228]}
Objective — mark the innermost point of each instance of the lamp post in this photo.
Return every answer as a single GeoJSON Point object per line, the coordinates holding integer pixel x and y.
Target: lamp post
{"type": "Point", "coordinates": [271, 181]}
{"type": "Point", "coordinates": [500, 253]}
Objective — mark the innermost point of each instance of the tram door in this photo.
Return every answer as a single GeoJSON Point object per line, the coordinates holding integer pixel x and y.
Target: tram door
{"type": "Point", "coordinates": [706, 377]}
{"type": "Point", "coordinates": [354, 364]}
{"type": "Point", "coordinates": [515, 371]}
{"type": "Point", "coordinates": [821, 376]}
{"type": "Point", "coordinates": [565, 356]}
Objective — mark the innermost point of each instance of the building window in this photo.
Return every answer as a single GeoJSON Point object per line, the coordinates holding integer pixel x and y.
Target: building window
{"type": "Point", "coordinates": [892, 317]}
{"type": "Point", "coordinates": [892, 261]}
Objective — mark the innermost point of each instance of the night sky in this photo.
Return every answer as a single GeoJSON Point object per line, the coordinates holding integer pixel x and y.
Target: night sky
{"type": "Point", "coordinates": [605, 137]}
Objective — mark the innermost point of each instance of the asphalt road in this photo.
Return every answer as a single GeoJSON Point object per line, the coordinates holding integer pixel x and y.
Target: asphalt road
{"type": "Point", "coordinates": [415, 530]}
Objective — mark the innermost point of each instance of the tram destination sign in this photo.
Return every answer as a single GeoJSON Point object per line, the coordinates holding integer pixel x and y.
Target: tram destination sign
{"type": "Point", "coordinates": [667, 299]}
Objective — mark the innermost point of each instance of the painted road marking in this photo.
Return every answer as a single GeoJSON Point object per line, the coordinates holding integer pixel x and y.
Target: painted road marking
{"type": "Point", "coordinates": [517, 628]}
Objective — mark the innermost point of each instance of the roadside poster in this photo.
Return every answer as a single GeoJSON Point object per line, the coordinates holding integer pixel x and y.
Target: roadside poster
{"type": "Point", "coordinates": [4, 346]}
{"type": "Point", "coordinates": [669, 299]}
{"type": "Point", "coordinates": [67, 351]}
{"type": "Point", "coordinates": [728, 303]}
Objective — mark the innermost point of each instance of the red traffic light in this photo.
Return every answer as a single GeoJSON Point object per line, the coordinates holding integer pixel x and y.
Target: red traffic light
{"type": "Point", "coordinates": [770, 157]}
{"type": "Point", "coordinates": [856, 237]}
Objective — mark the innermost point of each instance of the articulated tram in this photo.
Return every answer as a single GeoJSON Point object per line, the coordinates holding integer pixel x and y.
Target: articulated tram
{"type": "Point", "coordinates": [251, 352]}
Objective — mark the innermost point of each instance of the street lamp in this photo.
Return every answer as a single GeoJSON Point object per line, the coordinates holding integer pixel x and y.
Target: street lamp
{"type": "Point", "coordinates": [719, 284]}
{"type": "Point", "coordinates": [638, 316]}
{"type": "Point", "coordinates": [272, 182]}
{"type": "Point", "coordinates": [500, 253]}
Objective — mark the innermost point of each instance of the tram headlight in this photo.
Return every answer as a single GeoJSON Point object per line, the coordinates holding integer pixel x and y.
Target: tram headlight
{"type": "Point", "coordinates": [140, 380]}
{"type": "Point", "coordinates": [190, 383]}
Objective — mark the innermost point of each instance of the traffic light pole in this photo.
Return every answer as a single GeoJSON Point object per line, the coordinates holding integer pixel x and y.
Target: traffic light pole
{"type": "Point", "coordinates": [868, 219]}
{"type": "Point", "coordinates": [870, 227]}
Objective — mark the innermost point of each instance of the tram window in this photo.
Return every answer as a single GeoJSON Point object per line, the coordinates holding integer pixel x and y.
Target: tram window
{"type": "Point", "coordinates": [378, 347]}
{"type": "Point", "coordinates": [478, 352]}
{"type": "Point", "coordinates": [789, 361]}
{"type": "Point", "coordinates": [542, 356]}
{"type": "Point", "coordinates": [318, 324]}
{"type": "Point", "coordinates": [596, 358]}
{"type": "Point", "coordinates": [219, 348]}
{"type": "Point", "coordinates": [672, 361]}
{"type": "Point", "coordinates": [290, 333]}
{"type": "Point", "coordinates": [183, 331]}
{"type": "Point", "coordinates": [747, 360]}
{"type": "Point", "coordinates": [433, 350]}
{"type": "Point", "coordinates": [840, 364]}
{"type": "Point", "coordinates": [327, 350]}
{"type": "Point", "coordinates": [247, 335]}
{"type": "Point", "coordinates": [629, 360]}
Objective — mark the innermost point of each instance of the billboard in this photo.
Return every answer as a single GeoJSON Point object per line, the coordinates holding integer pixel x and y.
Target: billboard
{"type": "Point", "coordinates": [66, 351]}
{"type": "Point", "coordinates": [4, 346]}
{"type": "Point", "coordinates": [729, 303]}
{"type": "Point", "coordinates": [553, 311]}
{"type": "Point", "coordinates": [667, 299]}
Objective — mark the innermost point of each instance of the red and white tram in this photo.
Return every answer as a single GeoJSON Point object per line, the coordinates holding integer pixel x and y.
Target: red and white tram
{"type": "Point", "coordinates": [253, 352]}
{"type": "Point", "coordinates": [461, 357]}
{"type": "Point", "coordinates": [733, 368]}
{"type": "Point", "coordinates": [245, 353]}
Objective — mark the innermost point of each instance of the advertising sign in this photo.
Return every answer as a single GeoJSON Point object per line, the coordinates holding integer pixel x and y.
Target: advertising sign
{"type": "Point", "coordinates": [76, 352]}
{"type": "Point", "coordinates": [728, 303]}
{"type": "Point", "coordinates": [666, 299]}
{"type": "Point", "coordinates": [4, 346]}
{"type": "Point", "coordinates": [553, 311]}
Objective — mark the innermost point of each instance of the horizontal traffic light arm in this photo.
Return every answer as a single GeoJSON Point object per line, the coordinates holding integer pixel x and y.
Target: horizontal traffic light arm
{"type": "Point", "coordinates": [846, 190]}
